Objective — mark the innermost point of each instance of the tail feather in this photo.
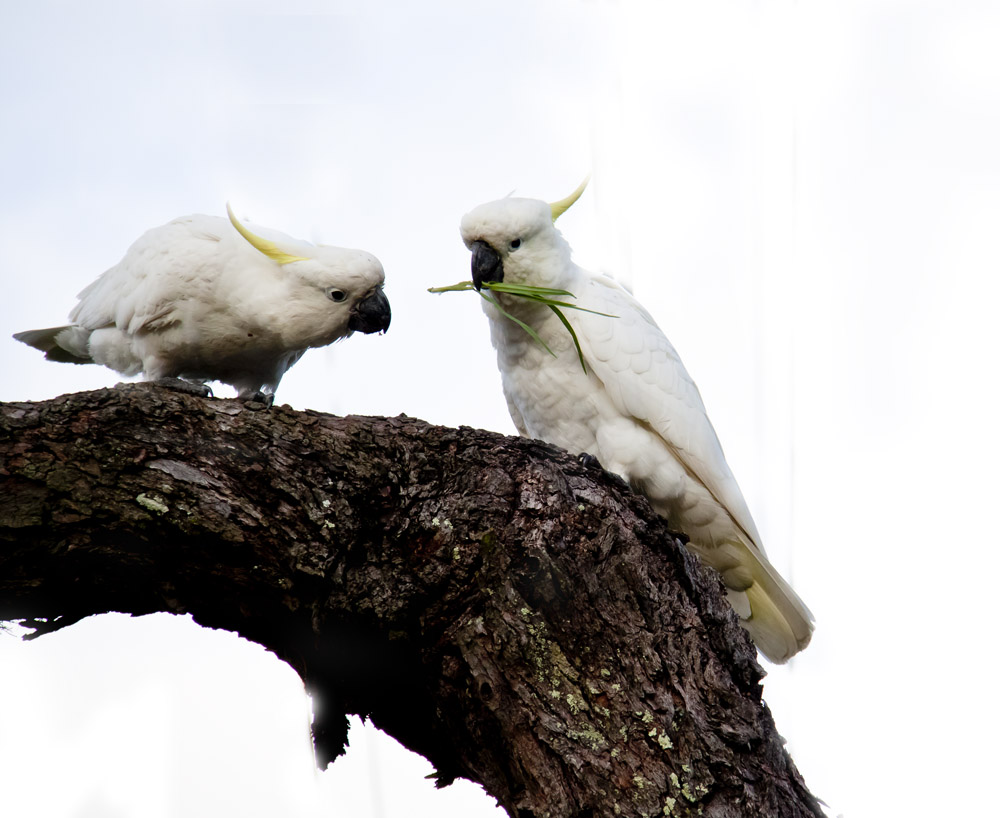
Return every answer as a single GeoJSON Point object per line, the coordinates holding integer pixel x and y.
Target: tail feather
{"type": "Point", "coordinates": [779, 630]}
{"type": "Point", "coordinates": [778, 621]}
{"type": "Point", "coordinates": [780, 624]}
{"type": "Point", "coordinates": [68, 345]}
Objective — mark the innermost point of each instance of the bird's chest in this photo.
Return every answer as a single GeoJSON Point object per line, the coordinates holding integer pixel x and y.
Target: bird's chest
{"type": "Point", "coordinates": [550, 396]}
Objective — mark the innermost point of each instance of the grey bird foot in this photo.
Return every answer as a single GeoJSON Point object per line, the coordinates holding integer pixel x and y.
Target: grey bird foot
{"type": "Point", "coordinates": [187, 387]}
{"type": "Point", "coordinates": [258, 397]}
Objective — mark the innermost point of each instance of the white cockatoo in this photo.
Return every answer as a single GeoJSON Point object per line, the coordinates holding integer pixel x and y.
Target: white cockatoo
{"type": "Point", "coordinates": [634, 407]}
{"type": "Point", "coordinates": [202, 298]}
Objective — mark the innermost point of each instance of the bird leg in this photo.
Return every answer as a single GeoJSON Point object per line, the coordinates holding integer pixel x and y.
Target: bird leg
{"type": "Point", "coordinates": [267, 398]}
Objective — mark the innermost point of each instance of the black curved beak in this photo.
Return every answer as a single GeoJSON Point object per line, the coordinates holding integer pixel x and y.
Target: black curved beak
{"type": "Point", "coordinates": [486, 264]}
{"type": "Point", "coordinates": [371, 315]}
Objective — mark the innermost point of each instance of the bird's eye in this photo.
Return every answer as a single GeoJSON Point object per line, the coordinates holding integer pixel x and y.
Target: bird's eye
{"type": "Point", "coordinates": [515, 244]}
{"type": "Point", "coordinates": [337, 295]}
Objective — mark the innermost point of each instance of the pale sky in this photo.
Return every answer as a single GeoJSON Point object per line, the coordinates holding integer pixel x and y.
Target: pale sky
{"type": "Point", "coordinates": [805, 196]}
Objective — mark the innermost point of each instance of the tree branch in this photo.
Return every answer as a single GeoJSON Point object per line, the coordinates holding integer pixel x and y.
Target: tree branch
{"type": "Point", "coordinates": [519, 618]}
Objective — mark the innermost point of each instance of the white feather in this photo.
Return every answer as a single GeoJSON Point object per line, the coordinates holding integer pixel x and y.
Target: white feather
{"type": "Point", "coordinates": [194, 299]}
{"type": "Point", "coordinates": [635, 408]}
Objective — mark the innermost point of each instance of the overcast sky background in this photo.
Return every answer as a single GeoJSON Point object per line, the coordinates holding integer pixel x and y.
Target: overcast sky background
{"type": "Point", "coordinates": [806, 195]}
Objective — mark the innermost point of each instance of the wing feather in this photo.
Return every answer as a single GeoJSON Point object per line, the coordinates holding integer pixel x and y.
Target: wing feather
{"type": "Point", "coordinates": [143, 290]}
{"type": "Point", "coordinates": [646, 379]}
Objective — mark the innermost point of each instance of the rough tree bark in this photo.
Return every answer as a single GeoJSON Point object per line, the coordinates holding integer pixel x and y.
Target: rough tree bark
{"type": "Point", "coordinates": [517, 617]}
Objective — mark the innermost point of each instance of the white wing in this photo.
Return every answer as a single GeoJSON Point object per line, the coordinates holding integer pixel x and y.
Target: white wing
{"type": "Point", "coordinates": [165, 267]}
{"type": "Point", "coordinates": [646, 380]}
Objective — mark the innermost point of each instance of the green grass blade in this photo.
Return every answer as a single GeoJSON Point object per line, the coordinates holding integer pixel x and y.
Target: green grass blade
{"type": "Point", "coordinates": [569, 326]}
{"type": "Point", "coordinates": [526, 290]}
{"type": "Point", "coordinates": [454, 288]}
{"type": "Point", "coordinates": [574, 307]}
{"type": "Point", "coordinates": [548, 296]}
{"type": "Point", "coordinates": [543, 295]}
{"type": "Point", "coordinates": [520, 323]}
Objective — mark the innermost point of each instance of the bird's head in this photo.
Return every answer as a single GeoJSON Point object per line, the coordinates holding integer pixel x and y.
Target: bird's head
{"type": "Point", "coordinates": [332, 291]}
{"type": "Point", "coordinates": [516, 240]}
{"type": "Point", "coordinates": [348, 283]}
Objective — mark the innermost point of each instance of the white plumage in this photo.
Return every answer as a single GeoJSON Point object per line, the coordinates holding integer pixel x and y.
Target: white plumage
{"type": "Point", "coordinates": [635, 408]}
{"type": "Point", "coordinates": [204, 299]}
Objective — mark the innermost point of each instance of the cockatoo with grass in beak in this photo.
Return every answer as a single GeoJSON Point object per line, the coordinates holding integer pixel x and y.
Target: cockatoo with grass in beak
{"type": "Point", "coordinates": [629, 402]}
{"type": "Point", "coordinates": [205, 299]}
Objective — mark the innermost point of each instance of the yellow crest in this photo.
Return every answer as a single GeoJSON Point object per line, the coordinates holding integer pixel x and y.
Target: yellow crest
{"type": "Point", "coordinates": [560, 207]}
{"type": "Point", "coordinates": [268, 248]}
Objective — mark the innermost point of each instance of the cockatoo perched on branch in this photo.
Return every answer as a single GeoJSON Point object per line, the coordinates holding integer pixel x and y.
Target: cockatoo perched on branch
{"type": "Point", "coordinates": [633, 406]}
{"type": "Point", "coordinates": [204, 299]}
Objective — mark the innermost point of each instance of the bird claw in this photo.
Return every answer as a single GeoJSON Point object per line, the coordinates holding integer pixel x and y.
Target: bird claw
{"type": "Point", "coordinates": [201, 390]}
{"type": "Point", "coordinates": [588, 460]}
{"type": "Point", "coordinates": [259, 397]}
